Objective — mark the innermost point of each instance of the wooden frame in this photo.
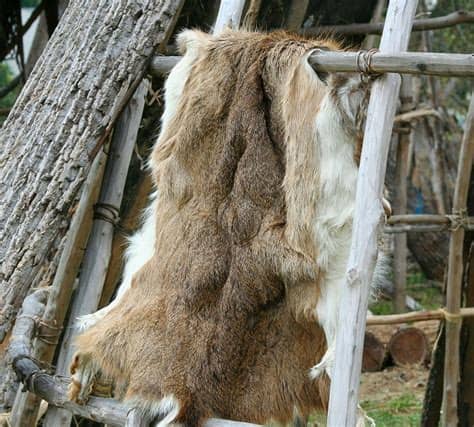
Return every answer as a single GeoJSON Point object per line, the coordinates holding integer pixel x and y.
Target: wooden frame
{"type": "Point", "coordinates": [436, 64]}
{"type": "Point", "coordinates": [343, 404]}
{"type": "Point", "coordinates": [368, 214]}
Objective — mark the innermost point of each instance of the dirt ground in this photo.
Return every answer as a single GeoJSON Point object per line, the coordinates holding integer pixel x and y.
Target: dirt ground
{"type": "Point", "coordinates": [394, 382]}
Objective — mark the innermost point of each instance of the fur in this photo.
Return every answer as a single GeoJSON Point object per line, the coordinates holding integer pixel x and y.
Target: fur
{"type": "Point", "coordinates": [231, 289]}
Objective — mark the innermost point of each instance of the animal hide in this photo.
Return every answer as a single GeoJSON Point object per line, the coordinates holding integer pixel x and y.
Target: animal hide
{"type": "Point", "coordinates": [231, 294]}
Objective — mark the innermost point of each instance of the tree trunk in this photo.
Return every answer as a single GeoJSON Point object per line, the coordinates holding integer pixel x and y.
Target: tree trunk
{"type": "Point", "coordinates": [90, 68]}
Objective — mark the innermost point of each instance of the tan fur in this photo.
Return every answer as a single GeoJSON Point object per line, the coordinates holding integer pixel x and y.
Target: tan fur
{"type": "Point", "coordinates": [222, 317]}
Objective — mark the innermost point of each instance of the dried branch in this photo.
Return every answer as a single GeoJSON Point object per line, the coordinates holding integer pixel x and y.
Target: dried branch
{"type": "Point", "coordinates": [416, 316]}
{"type": "Point", "coordinates": [437, 64]}
{"type": "Point", "coordinates": [450, 20]}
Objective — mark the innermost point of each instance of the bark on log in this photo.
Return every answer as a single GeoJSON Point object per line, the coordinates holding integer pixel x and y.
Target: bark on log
{"type": "Point", "coordinates": [374, 353]}
{"type": "Point", "coordinates": [409, 346]}
{"type": "Point", "coordinates": [92, 65]}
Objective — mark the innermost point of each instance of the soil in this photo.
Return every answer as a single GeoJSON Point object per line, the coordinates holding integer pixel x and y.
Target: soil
{"type": "Point", "coordinates": [394, 381]}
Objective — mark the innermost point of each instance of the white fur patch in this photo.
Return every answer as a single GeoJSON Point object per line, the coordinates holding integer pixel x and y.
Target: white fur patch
{"type": "Point", "coordinates": [169, 407]}
{"type": "Point", "coordinates": [333, 222]}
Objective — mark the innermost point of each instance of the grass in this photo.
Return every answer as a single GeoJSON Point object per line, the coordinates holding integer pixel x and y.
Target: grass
{"type": "Point", "coordinates": [401, 411]}
{"type": "Point", "coordinates": [425, 292]}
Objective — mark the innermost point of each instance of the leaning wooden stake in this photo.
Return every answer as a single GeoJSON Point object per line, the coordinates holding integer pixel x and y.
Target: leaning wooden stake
{"type": "Point", "coordinates": [97, 255]}
{"type": "Point", "coordinates": [368, 214]}
{"type": "Point", "coordinates": [400, 205]}
{"type": "Point", "coordinates": [26, 406]}
{"type": "Point", "coordinates": [229, 15]}
{"type": "Point", "coordinates": [455, 270]}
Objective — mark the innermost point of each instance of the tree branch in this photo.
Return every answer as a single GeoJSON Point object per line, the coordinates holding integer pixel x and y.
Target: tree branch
{"type": "Point", "coordinates": [450, 20]}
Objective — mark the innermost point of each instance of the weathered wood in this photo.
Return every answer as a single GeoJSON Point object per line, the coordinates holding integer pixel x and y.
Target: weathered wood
{"type": "Point", "coordinates": [437, 64]}
{"type": "Point", "coordinates": [250, 19]}
{"type": "Point", "coordinates": [441, 64]}
{"type": "Point", "coordinates": [454, 277]}
{"type": "Point", "coordinates": [377, 17]}
{"type": "Point", "coordinates": [296, 14]}
{"type": "Point", "coordinates": [367, 218]}
{"type": "Point", "coordinates": [97, 255]}
{"type": "Point", "coordinates": [136, 418]}
{"type": "Point", "coordinates": [229, 15]}
{"type": "Point", "coordinates": [420, 219]}
{"type": "Point", "coordinates": [416, 316]}
{"type": "Point", "coordinates": [426, 223]}
{"type": "Point", "coordinates": [417, 114]}
{"type": "Point", "coordinates": [408, 346]}
{"type": "Point", "coordinates": [90, 68]}
{"type": "Point", "coordinates": [26, 406]}
{"type": "Point", "coordinates": [400, 202]}
{"type": "Point", "coordinates": [129, 222]}
{"type": "Point", "coordinates": [20, 343]}
{"type": "Point", "coordinates": [374, 353]}
{"type": "Point", "coordinates": [440, 22]}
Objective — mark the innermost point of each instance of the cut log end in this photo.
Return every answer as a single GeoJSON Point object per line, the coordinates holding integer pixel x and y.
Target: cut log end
{"type": "Point", "coordinates": [374, 353]}
{"type": "Point", "coordinates": [409, 346]}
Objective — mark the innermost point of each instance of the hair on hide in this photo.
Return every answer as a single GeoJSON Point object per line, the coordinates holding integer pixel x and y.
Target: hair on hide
{"type": "Point", "coordinates": [231, 289]}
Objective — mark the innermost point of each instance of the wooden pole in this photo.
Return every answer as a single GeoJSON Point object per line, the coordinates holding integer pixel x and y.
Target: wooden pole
{"type": "Point", "coordinates": [97, 255]}
{"type": "Point", "coordinates": [368, 215]}
{"type": "Point", "coordinates": [377, 17]}
{"type": "Point", "coordinates": [26, 405]}
{"type": "Point", "coordinates": [439, 22]}
{"type": "Point", "coordinates": [455, 271]}
{"type": "Point", "coordinates": [416, 316]}
{"type": "Point", "coordinates": [436, 64]}
{"type": "Point", "coordinates": [400, 205]}
{"type": "Point", "coordinates": [229, 15]}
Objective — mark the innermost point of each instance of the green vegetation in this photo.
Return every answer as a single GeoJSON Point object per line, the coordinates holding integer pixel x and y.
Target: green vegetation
{"type": "Point", "coordinates": [401, 411]}
{"type": "Point", "coordinates": [30, 3]}
{"type": "Point", "coordinates": [7, 101]}
{"type": "Point", "coordinates": [425, 292]}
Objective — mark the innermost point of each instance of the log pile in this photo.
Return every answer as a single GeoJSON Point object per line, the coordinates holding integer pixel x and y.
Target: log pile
{"type": "Point", "coordinates": [403, 346]}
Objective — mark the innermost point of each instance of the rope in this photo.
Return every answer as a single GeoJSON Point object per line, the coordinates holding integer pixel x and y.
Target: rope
{"type": "Point", "coordinates": [364, 61]}
{"type": "Point", "coordinates": [458, 219]}
{"type": "Point", "coordinates": [39, 326]}
{"type": "Point", "coordinates": [51, 335]}
{"type": "Point", "coordinates": [451, 317]}
{"type": "Point", "coordinates": [107, 212]}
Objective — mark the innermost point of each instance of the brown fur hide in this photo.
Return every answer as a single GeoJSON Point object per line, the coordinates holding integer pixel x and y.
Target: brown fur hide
{"type": "Point", "coordinates": [222, 317]}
